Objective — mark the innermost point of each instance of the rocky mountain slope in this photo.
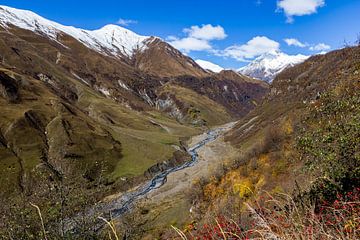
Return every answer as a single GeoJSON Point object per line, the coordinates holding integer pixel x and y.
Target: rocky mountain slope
{"type": "Point", "coordinates": [299, 148]}
{"type": "Point", "coordinates": [302, 144]}
{"type": "Point", "coordinates": [267, 66]}
{"type": "Point", "coordinates": [88, 113]}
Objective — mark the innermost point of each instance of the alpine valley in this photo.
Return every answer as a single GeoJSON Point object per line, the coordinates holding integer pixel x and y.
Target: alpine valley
{"type": "Point", "coordinates": [107, 134]}
{"type": "Point", "coordinates": [90, 113]}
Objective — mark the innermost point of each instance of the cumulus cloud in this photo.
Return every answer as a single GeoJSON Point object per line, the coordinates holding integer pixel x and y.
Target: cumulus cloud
{"type": "Point", "coordinates": [198, 38]}
{"type": "Point", "coordinates": [293, 8]}
{"type": "Point", "coordinates": [126, 22]}
{"type": "Point", "coordinates": [206, 32]}
{"type": "Point", "coordinates": [253, 48]}
{"type": "Point", "coordinates": [295, 42]}
{"type": "Point", "coordinates": [190, 44]}
{"type": "Point", "coordinates": [320, 47]}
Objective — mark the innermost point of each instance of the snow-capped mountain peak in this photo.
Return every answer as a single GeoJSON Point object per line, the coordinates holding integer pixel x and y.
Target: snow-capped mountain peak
{"type": "Point", "coordinates": [270, 64]}
{"type": "Point", "coordinates": [209, 66]}
{"type": "Point", "coordinates": [110, 39]}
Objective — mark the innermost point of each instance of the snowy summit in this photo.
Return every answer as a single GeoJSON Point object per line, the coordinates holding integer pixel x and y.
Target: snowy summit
{"type": "Point", "coordinates": [270, 64]}
{"type": "Point", "coordinates": [209, 66]}
{"type": "Point", "coordinates": [110, 40]}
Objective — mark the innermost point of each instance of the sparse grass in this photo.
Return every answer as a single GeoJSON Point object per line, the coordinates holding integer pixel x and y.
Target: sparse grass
{"type": "Point", "coordinates": [281, 217]}
{"type": "Point", "coordinates": [143, 143]}
{"type": "Point", "coordinates": [140, 154]}
{"type": "Point", "coordinates": [101, 159]}
{"type": "Point", "coordinates": [317, 146]}
{"type": "Point", "coordinates": [112, 227]}
{"type": "Point", "coordinates": [329, 144]}
{"type": "Point", "coordinates": [208, 110]}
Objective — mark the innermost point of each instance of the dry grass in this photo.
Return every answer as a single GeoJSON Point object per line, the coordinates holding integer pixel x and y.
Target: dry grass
{"type": "Point", "coordinates": [283, 217]}
{"type": "Point", "coordinates": [112, 228]}
{"type": "Point", "coordinates": [41, 219]}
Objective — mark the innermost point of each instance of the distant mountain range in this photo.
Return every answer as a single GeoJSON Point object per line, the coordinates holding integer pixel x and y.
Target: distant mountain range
{"type": "Point", "coordinates": [147, 52]}
{"type": "Point", "coordinates": [87, 115]}
{"type": "Point", "coordinates": [267, 66]}
{"type": "Point", "coordinates": [102, 109]}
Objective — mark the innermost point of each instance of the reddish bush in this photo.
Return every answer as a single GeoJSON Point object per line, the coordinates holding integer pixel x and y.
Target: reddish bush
{"type": "Point", "coordinates": [282, 218]}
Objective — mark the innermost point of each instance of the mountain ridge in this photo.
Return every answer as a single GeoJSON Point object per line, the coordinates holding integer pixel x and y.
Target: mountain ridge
{"type": "Point", "coordinates": [76, 117]}
{"type": "Point", "coordinates": [209, 66]}
{"type": "Point", "coordinates": [104, 40]}
{"type": "Point", "coordinates": [268, 65]}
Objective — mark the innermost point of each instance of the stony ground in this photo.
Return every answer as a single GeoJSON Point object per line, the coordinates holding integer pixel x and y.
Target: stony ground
{"type": "Point", "coordinates": [170, 203]}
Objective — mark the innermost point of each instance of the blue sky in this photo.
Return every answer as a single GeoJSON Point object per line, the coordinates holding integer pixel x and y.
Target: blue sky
{"type": "Point", "coordinates": [228, 33]}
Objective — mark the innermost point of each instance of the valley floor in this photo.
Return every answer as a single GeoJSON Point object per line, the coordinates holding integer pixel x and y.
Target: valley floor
{"type": "Point", "coordinates": [211, 157]}
{"type": "Point", "coordinates": [170, 203]}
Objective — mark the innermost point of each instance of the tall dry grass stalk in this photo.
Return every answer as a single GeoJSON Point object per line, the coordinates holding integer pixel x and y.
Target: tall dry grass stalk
{"type": "Point", "coordinates": [41, 219]}
{"type": "Point", "coordinates": [281, 218]}
{"type": "Point", "coordinates": [112, 228]}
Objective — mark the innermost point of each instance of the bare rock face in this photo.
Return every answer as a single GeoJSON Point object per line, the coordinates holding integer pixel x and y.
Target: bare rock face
{"type": "Point", "coordinates": [9, 88]}
{"type": "Point", "coordinates": [180, 157]}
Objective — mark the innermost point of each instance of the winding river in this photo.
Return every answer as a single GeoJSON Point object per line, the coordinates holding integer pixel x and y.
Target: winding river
{"type": "Point", "coordinates": [117, 207]}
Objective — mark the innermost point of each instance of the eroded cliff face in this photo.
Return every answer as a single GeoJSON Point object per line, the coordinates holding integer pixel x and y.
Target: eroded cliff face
{"type": "Point", "coordinates": [9, 88]}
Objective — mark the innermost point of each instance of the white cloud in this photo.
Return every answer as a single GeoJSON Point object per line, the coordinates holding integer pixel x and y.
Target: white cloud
{"type": "Point", "coordinates": [320, 47]}
{"type": "Point", "coordinates": [126, 22]}
{"type": "Point", "coordinates": [293, 8]}
{"type": "Point", "coordinates": [198, 38]}
{"type": "Point", "coordinates": [253, 48]}
{"type": "Point", "coordinates": [206, 32]}
{"type": "Point", "coordinates": [312, 47]}
{"type": "Point", "coordinates": [171, 38]}
{"type": "Point", "coordinates": [190, 44]}
{"type": "Point", "coordinates": [295, 42]}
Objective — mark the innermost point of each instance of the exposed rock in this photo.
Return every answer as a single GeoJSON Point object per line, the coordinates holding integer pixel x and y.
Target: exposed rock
{"type": "Point", "coordinates": [180, 157]}
{"type": "Point", "coordinates": [9, 88]}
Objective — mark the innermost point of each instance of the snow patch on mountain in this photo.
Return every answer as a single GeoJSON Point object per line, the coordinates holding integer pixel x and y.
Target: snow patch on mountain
{"type": "Point", "coordinates": [270, 64]}
{"type": "Point", "coordinates": [109, 40]}
{"type": "Point", "coordinates": [209, 66]}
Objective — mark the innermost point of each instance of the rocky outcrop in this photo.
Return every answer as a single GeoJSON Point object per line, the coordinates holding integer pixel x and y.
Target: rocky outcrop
{"type": "Point", "coordinates": [179, 157]}
{"type": "Point", "coordinates": [236, 93]}
{"type": "Point", "coordinates": [9, 88]}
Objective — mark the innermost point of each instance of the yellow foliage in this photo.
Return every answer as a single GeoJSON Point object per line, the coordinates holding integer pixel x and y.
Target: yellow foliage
{"type": "Point", "coordinates": [261, 182]}
{"type": "Point", "coordinates": [263, 160]}
{"type": "Point", "coordinates": [244, 189]}
{"type": "Point", "coordinates": [288, 127]}
{"type": "Point", "coordinates": [211, 191]}
{"type": "Point", "coordinates": [231, 178]}
{"type": "Point", "coordinates": [277, 189]}
{"type": "Point", "coordinates": [280, 167]}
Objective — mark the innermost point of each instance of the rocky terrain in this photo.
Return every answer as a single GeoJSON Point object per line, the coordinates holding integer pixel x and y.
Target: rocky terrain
{"type": "Point", "coordinates": [89, 113]}
{"type": "Point", "coordinates": [301, 143]}
{"type": "Point", "coordinates": [299, 149]}
{"type": "Point", "coordinates": [111, 124]}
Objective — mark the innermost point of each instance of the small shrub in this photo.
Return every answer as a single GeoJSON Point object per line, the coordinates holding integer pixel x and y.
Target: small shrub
{"type": "Point", "coordinates": [281, 217]}
{"type": "Point", "coordinates": [330, 145]}
{"type": "Point", "coordinates": [244, 189]}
